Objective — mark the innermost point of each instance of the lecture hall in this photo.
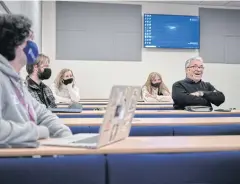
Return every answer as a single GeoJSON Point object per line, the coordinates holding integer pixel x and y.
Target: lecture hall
{"type": "Point", "coordinates": [119, 92]}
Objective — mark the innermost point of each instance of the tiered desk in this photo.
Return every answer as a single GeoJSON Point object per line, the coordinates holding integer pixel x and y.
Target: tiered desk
{"type": "Point", "coordinates": [158, 151]}
{"type": "Point", "coordinates": [141, 160]}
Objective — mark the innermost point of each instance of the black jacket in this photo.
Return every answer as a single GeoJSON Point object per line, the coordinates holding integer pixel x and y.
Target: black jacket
{"type": "Point", "coordinates": [181, 94]}
{"type": "Point", "coordinates": [42, 93]}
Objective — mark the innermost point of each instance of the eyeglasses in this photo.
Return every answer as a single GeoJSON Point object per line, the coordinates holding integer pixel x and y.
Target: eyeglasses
{"type": "Point", "coordinates": [197, 67]}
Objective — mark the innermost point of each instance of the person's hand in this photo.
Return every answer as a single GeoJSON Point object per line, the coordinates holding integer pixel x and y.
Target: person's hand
{"type": "Point", "coordinates": [152, 96]}
{"type": "Point", "coordinates": [197, 93]}
{"type": "Point", "coordinates": [148, 95]}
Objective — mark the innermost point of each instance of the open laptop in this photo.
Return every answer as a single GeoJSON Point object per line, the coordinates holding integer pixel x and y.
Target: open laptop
{"type": "Point", "coordinates": [116, 124]}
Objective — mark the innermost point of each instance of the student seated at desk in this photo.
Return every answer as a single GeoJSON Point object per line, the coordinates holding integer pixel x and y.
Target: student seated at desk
{"type": "Point", "coordinates": [37, 72]}
{"type": "Point", "coordinates": [192, 91]}
{"type": "Point", "coordinates": [64, 88]}
{"type": "Point", "coordinates": [22, 117]}
{"type": "Point", "coordinates": [155, 90]}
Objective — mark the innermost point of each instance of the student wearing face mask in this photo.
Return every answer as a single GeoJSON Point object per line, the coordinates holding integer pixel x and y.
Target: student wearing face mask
{"type": "Point", "coordinates": [64, 88]}
{"type": "Point", "coordinates": [155, 90]}
{"type": "Point", "coordinates": [22, 117]}
{"type": "Point", "coordinates": [37, 72]}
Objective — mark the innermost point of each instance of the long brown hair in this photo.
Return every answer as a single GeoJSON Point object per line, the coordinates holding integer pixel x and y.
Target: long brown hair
{"type": "Point", "coordinates": [162, 86]}
{"type": "Point", "coordinates": [59, 78]}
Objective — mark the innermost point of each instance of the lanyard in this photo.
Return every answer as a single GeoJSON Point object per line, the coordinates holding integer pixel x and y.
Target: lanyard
{"type": "Point", "coordinates": [22, 101]}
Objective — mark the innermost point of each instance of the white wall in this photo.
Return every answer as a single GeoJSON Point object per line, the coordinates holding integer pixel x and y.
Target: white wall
{"type": "Point", "coordinates": [95, 78]}
{"type": "Point", "coordinates": [2, 10]}
{"type": "Point", "coordinates": [15, 6]}
{"type": "Point", "coordinates": [31, 9]}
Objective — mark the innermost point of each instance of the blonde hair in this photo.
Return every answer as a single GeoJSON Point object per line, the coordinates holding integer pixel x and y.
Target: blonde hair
{"type": "Point", "coordinates": [41, 59]}
{"type": "Point", "coordinates": [59, 78]}
{"type": "Point", "coordinates": [162, 86]}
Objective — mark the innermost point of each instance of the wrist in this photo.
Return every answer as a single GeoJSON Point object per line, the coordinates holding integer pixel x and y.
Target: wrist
{"type": "Point", "coordinates": [43, 132]}
{"type": "Point", "coordinates": [201, 93]}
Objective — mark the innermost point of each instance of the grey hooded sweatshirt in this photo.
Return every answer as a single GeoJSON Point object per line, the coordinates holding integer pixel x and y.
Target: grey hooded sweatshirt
{"type": "Point", "coordinates": [16, 125]}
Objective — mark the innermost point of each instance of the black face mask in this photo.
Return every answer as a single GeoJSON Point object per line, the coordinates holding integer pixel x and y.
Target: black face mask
{"type": "Point", "coordinates": [68, 81]}
{"type": "Point", "coordinates": [46, 74]}
{"type": "Point", "coordinates": [156, 85]}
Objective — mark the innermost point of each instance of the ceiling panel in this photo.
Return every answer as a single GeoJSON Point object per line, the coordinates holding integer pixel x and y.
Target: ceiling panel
{"type": "Point", "coordinates": [203, 2]}
{"type": "Point", "coordinates": [182, 2]}
{"type": "Point", "coordinates": [214, 3]}
{"type": "Point", "coordinates": [233, 4]}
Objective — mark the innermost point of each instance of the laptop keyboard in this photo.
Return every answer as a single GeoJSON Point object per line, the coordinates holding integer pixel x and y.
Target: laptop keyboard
{"type": "Point", "coordinates": [88, 140]}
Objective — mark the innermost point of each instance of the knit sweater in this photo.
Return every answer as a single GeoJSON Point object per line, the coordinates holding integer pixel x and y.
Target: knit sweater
{"type": "Point", "coordinates": [66, 93]}
{"type": "Point", "coordinates": [154, 97]}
